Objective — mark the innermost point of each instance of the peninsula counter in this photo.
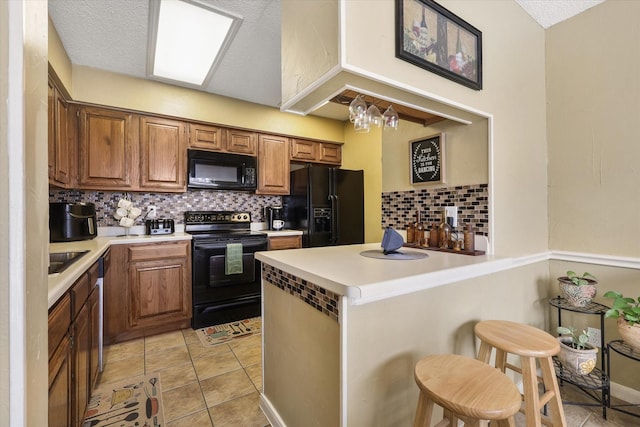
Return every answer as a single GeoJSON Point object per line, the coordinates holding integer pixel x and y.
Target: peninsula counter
{"type": "Point", "coordinates": [342, 332]}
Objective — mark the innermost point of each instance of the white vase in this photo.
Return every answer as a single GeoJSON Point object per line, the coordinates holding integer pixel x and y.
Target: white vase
{"type": "Point", "coordinates": [581, 362]}
{"type": "Point", "coordinates": [630, 334]}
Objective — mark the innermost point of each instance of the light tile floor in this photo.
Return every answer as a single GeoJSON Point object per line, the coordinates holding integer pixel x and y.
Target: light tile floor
{"type": "Point", "coordinates": [219, 386]}
{"type": "Point", "coordinates": [201, 386]}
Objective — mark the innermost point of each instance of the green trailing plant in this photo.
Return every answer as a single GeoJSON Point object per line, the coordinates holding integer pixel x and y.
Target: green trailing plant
{"type": "Point", "coordinates": [580, 280]}
{"type": "Point", "coordinates": [579, 342]}
{"type": "Point", "coordinates": [625, 307]}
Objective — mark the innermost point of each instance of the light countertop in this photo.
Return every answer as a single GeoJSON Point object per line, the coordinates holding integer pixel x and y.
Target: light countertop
{"type": "Point", "coordinates": [59, 283]}
{"type": "Point", "coordinates": [281, 233]}
{"type": "Point", "coordinates": [341, 269]}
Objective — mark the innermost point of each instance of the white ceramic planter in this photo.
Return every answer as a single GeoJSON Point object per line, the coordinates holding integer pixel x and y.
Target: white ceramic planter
{"type": "Point", "coordinates": [581, 362]}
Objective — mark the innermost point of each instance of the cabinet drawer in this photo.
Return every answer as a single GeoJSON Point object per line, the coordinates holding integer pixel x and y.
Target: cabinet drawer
{"type": "Point", "coordinates": [93, 275]}
{"type": "Point", "coordinates": [79, 293]}
{"type": "Point", "coordinates": [285, 242]}
{"type": "Point", "coordinates": [59, 321]}
{"type": "Point", "coordinates": [158, 251]}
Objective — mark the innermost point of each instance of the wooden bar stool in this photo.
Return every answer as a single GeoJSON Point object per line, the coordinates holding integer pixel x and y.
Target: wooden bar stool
{"type": "Point", "coordinates": [531, 344]}
{"type": "Point", "coordinates": [466, 389]}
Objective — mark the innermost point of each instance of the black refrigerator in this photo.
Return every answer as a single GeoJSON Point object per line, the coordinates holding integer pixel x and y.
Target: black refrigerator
{"type": "Point", "coordinates": [327, 205]}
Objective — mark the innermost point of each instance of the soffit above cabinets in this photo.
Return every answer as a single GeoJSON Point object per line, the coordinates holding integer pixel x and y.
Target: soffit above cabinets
{"type": "Point", "coordinates": [405, 113]}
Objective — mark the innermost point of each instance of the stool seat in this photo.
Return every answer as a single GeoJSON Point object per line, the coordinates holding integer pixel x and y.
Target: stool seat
{"type": "Point", "coordinates": [534, 347]}
{"type": "Point", "coordinates": [466, 387]}
{"type": "Point", "coordinates": [517, 338]}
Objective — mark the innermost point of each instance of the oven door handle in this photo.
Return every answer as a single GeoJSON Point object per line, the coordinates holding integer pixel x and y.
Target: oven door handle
{"type": "Point", "coordinates": [223, 245]}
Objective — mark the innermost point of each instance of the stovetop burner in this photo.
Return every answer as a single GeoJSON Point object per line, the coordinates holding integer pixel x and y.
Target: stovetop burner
{"type": "Point", "coordinates": [217, 222]}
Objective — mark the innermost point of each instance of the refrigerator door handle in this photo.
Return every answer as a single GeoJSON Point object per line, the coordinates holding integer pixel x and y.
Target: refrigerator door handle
{"type": "Point", "coordinates": [335, 226]}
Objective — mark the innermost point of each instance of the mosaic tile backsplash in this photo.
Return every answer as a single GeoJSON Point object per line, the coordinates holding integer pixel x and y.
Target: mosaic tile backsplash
{"type": "Point", "coordinates": [169, 205]}
{"type": "Point", "coordinates": [319, 298]}
{"type": "Point", "coordinates": [399, 207]}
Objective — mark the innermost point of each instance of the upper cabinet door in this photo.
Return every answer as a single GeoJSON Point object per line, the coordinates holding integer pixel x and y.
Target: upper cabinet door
{"type": "Point", "coordinates": [106, 151]}
{"type": "Point", "coordinates": [273, 165]}
{"type": "Point", "coordinates": [205, 137]}
{"type": "Point", "coordinates": [162, 154]}
{"type": "Point", "coordinates": [61, 165]}
{"type": "Point", "coordinates": [241, 141]}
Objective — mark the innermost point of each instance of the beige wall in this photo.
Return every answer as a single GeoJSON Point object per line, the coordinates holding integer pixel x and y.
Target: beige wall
{"type": "Point", "coordinates": [593, 109]}
{"type": "Point", "coordinates": [466, 154]}
{"type": "Point", "coordinates": [513, 94]}
{"type": "Point", "coordinates": [383, 350]}
{"type": "Point", "coordinates": [23, 200]}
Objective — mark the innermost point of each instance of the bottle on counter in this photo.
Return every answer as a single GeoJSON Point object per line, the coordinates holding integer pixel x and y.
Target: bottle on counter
{"type": "Point", "coordinates": [444, 234]}
{"type": "Point", "coordinates": [419, 230]}
{"type": "Point", "coordinates": [433, 236]}
{"type": "Point", "coordinates": [410, 233]}
{"type": "Point", "coordinates": [469, 238]}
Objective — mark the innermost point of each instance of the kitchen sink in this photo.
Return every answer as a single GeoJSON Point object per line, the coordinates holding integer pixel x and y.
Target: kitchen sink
{"type": "Point", "coordinates": [59, 261]}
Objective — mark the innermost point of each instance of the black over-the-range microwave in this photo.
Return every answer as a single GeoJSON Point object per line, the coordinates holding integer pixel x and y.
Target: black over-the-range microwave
{"type": "Point", "coordinates": [221, 171]}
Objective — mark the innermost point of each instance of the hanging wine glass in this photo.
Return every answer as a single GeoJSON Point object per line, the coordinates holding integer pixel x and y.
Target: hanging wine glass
{"type": "Point", "coordinates": [374, 115]}
{"type": "Point", "coordinates": [391, 118]}
{"type": "Point", "coordinates": [357, 109]}
{"type": "Point", "coordinates": [362, 125]}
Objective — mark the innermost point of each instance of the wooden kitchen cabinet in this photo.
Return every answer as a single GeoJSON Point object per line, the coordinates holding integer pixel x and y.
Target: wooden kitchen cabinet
{"type": "Point", "coordinates": [60, 149]}
{"type": "Point", "coordinates": [205, 137]}
{"type": "Point", "coordinates": [60, 399]}
{"type": "Point", "coordinates": [284, 242]}
{"type": "Point", "coordinates": [72, 334]}
{"type": "Point", "coordinates": [107, 154]}
{"type": "Point", "coordinates": [273, 165]}
{"type": "Point", "coordinates": [330, 153]}
{"type": "Point", "coordinates": [162, 154]}
{"type": "Point", "coordinates": [149, 290]}
{"type": "Point", "coordinates": [240, 141]}
{"type": "Point", "coordinates": [316, 152]}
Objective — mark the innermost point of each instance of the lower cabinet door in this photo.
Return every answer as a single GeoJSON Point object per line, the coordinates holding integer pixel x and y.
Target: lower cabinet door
{"type": "Point", "coordinates": [82, 357]}
{"type": "Point", "coordinates": [95, 336]}
{"type": "Point", "coordinates": [160, 291]}
{"type": "Point", "coordinates": [60, 398]}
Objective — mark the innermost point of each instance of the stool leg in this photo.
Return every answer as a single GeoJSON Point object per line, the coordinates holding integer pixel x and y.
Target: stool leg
{"type": "Point", "coordinates": [501, 360]}
{"type": "Point", "coordinates": [453, 418]}
{"type": "Point", "coordinates": [556, 412]}
{"type": "Point", "coordinates": [530, 391]}
{"type": "Point", "coordinates": [423, 411]}
{"type": "Point", "coordinates": [484, 353]}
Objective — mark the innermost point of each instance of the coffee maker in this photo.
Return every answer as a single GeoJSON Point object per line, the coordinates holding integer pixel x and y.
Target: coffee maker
{"type": "Point", "coordinates": [273, 217]}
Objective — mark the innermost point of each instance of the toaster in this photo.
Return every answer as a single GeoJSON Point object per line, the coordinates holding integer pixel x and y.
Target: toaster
{"type": "Point", "coordinates": [159, 226]}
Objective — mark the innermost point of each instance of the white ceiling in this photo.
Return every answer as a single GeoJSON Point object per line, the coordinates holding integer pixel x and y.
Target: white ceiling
{"type": "Point", "coordinates": [112, 35]}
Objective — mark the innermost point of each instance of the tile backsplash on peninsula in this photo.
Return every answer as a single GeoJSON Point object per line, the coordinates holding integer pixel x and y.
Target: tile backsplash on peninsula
{"type": "Point", "coordinates": [169, 205]}
{"type": "Point", "coordinates": [472, 201]}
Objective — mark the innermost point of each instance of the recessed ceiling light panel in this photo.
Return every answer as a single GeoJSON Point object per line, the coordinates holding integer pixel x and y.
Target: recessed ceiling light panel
{"type": "Point", "coordinates": [187, 40]}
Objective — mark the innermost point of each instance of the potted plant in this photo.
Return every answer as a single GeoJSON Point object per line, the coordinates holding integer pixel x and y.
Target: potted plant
{"type": "Point", "coordinates": [578, 290]}
{"type": "Point", "coordinates": [627, 311]}
{"type": "Point", "coordinates": [576, 353]}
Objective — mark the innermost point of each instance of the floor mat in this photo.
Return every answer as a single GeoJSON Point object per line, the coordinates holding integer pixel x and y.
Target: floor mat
{"type": "Point", "coordinates": [131, 403]}
{"type": "Point", "coordinates": [226, 332]}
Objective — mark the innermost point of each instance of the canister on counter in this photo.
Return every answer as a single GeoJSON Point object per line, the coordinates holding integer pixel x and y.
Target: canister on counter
{"type": "Point", "coordinates": [433, 236]}
{"type": "Point", "coordinates": [469, 238]}
{"type": "Point", "coordinates": [410, 233]}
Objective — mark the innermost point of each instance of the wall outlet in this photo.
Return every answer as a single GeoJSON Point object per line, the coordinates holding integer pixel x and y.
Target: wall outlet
{"type": "Point", "coordinates": [452, 212]}
{"type": "Point", "coordinates": [151, 212]}
{"type": "Point", "coordinates": [595, 336]}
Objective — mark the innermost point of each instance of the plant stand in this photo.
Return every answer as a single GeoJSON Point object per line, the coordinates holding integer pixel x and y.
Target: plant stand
{"type": "Point", "coordinates": [623, 349]}
{"type": "Point", "coordinates": [595, 384]}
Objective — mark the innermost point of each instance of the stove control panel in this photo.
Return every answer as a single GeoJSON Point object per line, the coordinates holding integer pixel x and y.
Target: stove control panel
{"type": "Point", "coordinates": [216, 217]}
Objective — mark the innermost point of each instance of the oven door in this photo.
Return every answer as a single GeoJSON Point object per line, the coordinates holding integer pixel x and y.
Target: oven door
{"type": "Point", "coordinates": [211, 284]}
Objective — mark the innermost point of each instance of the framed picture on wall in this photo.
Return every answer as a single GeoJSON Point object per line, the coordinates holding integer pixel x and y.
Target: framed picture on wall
{"type": "Point", "coordinates": [427, 160]}
{"type": "Point", "coordinates": [431, 37]}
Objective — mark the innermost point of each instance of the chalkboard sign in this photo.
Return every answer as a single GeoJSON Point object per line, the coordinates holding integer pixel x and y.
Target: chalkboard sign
{"type": "Point", "coordinates": [427, 159]}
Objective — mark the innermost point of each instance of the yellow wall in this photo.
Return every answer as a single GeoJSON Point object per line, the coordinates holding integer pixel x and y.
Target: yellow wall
{"type": "Point", "coordinates": [364, 151]}
{"type": "Point", "coordinates": [58, 58]}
